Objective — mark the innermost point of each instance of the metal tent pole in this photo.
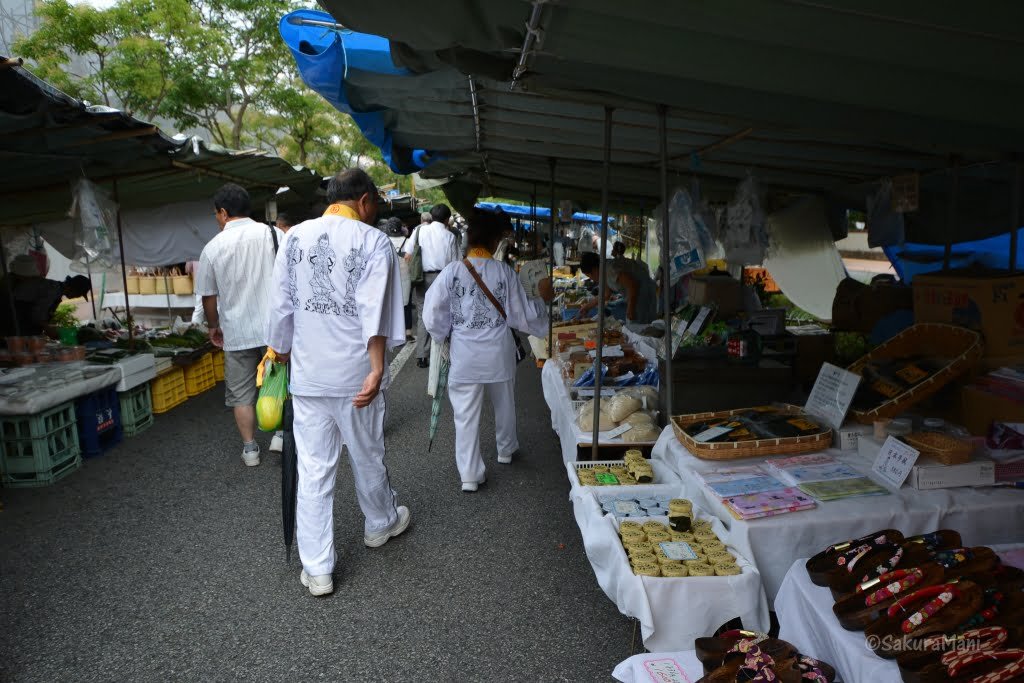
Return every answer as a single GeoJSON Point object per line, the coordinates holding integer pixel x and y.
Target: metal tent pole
{"type": "Point", "coordinates": [92, 294]}
{"type": "Point", "coordinates": [8, 289]}
{"type": "Point", "coordinates": [124, 272]}
{"type": "Point", "coordinates": [551, 260]}
{"type": "Point", "coordinates": [533, 221]}
{"type": "Point", "coordinates": [666, 257]}
{"type": "Point", "coordinates": [951, 228]}
{"type": "Point", "coordinates": [1015, 217]}
{"type": "Point", "coordinates": [601, 280]}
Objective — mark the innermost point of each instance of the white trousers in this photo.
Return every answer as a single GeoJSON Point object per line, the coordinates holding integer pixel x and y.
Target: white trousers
{"type": "Point", "coordinates": [322, 426]}
{"type": "Point", "coordinates": [467, 403]}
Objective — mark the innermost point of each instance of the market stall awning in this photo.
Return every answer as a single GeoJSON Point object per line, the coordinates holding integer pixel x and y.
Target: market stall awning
{"type": "Point", "coordinates": [788, 91]}
{"type": "Point", "coordinates": [49, 139]}
{"type": "Point", "coordinates": [540, 212]}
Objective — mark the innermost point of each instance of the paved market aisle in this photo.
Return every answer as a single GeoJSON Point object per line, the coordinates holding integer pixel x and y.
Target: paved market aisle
{"type": "Point", "coordinates": [163, 560]}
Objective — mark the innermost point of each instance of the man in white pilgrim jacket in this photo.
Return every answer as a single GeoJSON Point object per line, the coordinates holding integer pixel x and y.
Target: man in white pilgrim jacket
{"type": "Point", "coordinates": [336, 306]}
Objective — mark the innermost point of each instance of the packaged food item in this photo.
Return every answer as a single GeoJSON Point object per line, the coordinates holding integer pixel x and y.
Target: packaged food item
{"type": "Point", "coordinates": [631, 525]}
{"type": "Point", "coordinates": [642, 433]}
{"type": "Point", "coordinates": [619, 407]}
{"type": "Point", "coordinates": [638, 419]}
{"type": "Point", "coordinates": [654, 526]}
{"type": "Point", "coordinates": [700, 569]}
{"type": "Point", "coordinates": [647, 569]}
{"type": "Point", "coordinates": [659, 536]}
{"type": "Point", "coordinates": [674, 570]}
{"type": "Point", "coordinates": [727, 570]}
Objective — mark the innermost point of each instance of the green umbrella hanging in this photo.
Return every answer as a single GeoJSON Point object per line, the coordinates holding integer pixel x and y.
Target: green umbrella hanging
{"type": "Point", "coordinates": [445, 362]}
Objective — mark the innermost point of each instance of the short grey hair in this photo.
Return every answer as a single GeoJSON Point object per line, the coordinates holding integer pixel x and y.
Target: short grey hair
{"type": "Point", "coordinates": [425, 217]}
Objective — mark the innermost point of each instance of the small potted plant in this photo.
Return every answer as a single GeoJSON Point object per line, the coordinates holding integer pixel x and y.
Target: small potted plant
{"type": "Point", "coordinates": [66, 323]}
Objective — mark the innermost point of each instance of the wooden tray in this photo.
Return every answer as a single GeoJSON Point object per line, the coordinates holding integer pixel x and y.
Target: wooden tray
{"type": "Point", "coordinates": [963, 348]}
{"type": "Point", "coordinates": [791, 445]}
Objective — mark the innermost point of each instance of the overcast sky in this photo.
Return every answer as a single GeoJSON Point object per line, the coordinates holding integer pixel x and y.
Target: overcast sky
{"type": "Point", "coordinates": [95, 3]}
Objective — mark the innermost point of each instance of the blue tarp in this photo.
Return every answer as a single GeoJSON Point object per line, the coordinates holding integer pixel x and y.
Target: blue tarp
{"type": "Point", "coordinates": [541, 213]}
{"type": "Point", "coordinates": [915, 259]}
{"type": "Point", "coordinates": [325, 56]}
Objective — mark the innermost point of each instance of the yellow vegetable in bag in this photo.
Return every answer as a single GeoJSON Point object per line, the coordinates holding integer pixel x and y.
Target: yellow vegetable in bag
{"type": "Point", "coordinates": [273, 393]}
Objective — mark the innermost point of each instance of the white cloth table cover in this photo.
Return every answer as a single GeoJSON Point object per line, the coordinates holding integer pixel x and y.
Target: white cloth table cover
{"type": "Point", "coordinates": [50, 386]}
{"type": "Point", "coordinates": [806, 620]}
{"type": "Point", "coordinates": [673, 612]}
{"type": "Point", "coordinates": [664, 667]}
{"type": "Point", "coordinates": [980, 514]}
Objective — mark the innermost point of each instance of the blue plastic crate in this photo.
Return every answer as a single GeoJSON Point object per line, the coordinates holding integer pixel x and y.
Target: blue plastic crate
{"type": "Point", "coordinates": [99, 421]}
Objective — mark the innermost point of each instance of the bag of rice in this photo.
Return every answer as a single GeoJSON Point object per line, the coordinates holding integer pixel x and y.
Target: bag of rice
{"type": "Point", "coordinates": [619, 407]}
{"type": "Point", "coordinates": [643, 432]}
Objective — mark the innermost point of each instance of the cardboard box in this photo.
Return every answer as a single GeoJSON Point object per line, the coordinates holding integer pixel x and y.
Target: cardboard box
{"type": "Point", "coordinates": [991, 302]}
{"type": "Point", "coordinates": [724, 292]}
{"type": "Point", "coordinates": [979, 408]}
{"type": "Point", "coordinates": [930, 474]}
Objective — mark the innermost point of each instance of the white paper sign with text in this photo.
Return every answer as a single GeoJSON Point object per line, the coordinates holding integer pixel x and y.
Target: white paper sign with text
{"type": "Point", "coordinates": [832, 395]}
{"type": "Point", "coordinates": [894, 462]}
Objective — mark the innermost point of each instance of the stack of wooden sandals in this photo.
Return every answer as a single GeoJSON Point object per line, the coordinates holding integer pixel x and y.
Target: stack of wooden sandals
{"type": "Point", "coordinates": [749, 656]}
{"type": "Point", "coordinates": [943, 611]}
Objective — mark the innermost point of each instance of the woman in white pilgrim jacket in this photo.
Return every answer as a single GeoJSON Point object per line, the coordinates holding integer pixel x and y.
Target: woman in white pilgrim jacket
{"type": "Point", "coordinates": [482, 349]}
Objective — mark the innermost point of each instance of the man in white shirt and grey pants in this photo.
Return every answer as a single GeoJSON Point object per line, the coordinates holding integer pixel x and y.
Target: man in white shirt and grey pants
{"type": "Point", "coordinates": [438, 248]}
{"type": "Point", "coordinates": [234, 279]}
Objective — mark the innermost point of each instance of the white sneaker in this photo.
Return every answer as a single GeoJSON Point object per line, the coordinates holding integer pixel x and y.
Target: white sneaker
{"type": "Point", "coordinates": [472, 486]}
{"type": "Point", "coordinates": [506, 459]}
{"type": "Point", "coordinates": [251, 458]}
{"type": "Point", "coordinates": [277, 443]}
{"type": "Point", "coordinates": [317, 585]}
{"type": "Point", "coordinates": [400, 525]}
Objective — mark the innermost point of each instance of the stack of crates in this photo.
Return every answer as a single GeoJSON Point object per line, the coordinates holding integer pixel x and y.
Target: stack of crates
{"type": "Point", "coordinates": [99, 421]}
{"type": "Point", "coordinates": [136, 410]}
{"type": "Point", "coordinates": [218, 365]}
{"type": "Point", "coordinates": [199, 376]}
{"type": "Point", "coordinates": [38, 450]}
{"type": "Point", "coordinates": [168, 390]}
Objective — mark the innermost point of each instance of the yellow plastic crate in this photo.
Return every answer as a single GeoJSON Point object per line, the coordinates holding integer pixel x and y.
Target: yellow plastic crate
{"type": "Point", "coordinates": [218, 365]}
{"type": "Point", "coordinates": [168, 390]}
{"type": "Point", "coordinates": [199, 376]}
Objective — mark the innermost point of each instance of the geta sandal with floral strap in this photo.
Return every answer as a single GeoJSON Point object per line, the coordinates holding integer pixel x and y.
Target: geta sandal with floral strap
{"type": "Point", "coordinates": [935, 609]}
{"type": "Point", "coordinates": [821, 567]}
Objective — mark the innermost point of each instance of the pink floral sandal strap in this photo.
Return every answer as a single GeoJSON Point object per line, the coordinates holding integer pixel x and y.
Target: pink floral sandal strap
{"type": "Point", "coordinates": [970, 657]}
{"type": "Point", "coordinates": [758, 667]}
{"type": "Point", "coordinates": [754, 637]}
{"type": "Point", "coordinates": [988, 638]}
{"type": "Point", "coordinates": [810, 670]}
{"type": "Point", "coordinates": [851, 551]}
{"type": "Point", "coordinates": [846, 545]}
{"type": "Point", "coordinates": [940, 596]}
{"type": "Point", "coordinates": [883, 567]}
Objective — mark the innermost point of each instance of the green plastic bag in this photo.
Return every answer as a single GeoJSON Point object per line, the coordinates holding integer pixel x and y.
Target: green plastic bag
{"type": "Point", "coordinates": [273, 394]}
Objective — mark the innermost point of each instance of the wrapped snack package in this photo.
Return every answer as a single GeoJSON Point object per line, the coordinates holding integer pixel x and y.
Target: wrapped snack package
{"type": "Point", "coordinates": [619, 407]}
{"type": "Point", "coordinates": [645, 394]}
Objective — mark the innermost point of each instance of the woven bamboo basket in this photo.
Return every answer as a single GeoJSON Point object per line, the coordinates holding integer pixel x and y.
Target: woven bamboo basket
{"type": "Point", "coordinates": [947, 449]}
{"type": "Point", "coordinates": [162, 283]}
{"type": "Point", "coordinates": [147, 284]}
{"type": "Point", "coordinates": [962, 347]}
{"type": "Point", "coordinates": [735, 450]}
{"type": "Point", "coordinates": [181, 283]}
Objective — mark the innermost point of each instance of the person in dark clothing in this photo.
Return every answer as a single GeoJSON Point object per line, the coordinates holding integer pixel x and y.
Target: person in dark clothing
{"type": "Point", "coordinates": [35, 299]}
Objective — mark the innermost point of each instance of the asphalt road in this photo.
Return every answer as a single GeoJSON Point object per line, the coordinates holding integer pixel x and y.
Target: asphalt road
{"type": "Point", "coordinates": [163, 560]}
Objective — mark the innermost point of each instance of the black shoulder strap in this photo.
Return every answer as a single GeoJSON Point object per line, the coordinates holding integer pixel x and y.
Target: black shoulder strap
{"type": "Point", "coordinates": [273, 236]}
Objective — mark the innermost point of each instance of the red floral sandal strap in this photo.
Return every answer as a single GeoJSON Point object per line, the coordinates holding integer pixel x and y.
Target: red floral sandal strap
{"type": "Point", "coordinates": [758, 667]}
{"type": "Point", "coordinates": [988, 638]}
{"type": "Point", "coordinates": [900, 581]}
{"type": "Point", "coordinates": [967, 658]}
{"type": "Point", "coordinates": [940, 597]}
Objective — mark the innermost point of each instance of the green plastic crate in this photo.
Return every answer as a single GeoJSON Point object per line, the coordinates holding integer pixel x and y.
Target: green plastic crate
{"type": "Point", "coordinates": [136, 410]}
{"type": "Point", "coordinates": [38, 450]}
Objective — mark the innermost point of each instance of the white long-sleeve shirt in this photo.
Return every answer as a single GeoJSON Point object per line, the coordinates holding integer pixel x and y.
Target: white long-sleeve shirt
{"type": "Point", "coordinates": [336, 284]}
{"type": "Point", "coordinates": [482, 349]}
{"type": "Point", "coordinates": [438, 246]}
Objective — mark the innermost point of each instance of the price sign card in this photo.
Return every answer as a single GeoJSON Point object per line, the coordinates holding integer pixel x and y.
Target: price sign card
{"type": "Point", "coordinates": [698, 321]}
{"type": "Point", "coordinates": [894, 462]}
{"type": "Point", "coordinates": [618, 431]}
{"type": "Point", "coordinates": [832, 395]}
